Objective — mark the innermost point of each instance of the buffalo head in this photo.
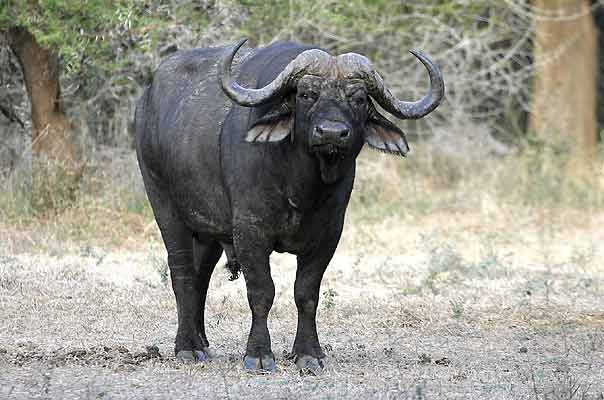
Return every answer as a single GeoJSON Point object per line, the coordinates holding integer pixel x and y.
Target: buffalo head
{"type": "Point", "coordinates": [325, 103]}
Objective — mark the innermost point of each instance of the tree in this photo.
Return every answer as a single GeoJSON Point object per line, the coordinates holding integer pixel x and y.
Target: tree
{"type": "Point", "coordinates": [88, 44]}
{"type": "Point", "coordinates": [51, 130]}
{"type": "Point", "coordinates": [565, 82]}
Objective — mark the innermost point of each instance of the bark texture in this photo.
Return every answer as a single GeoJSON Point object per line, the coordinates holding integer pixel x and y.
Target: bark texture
{"type": "Point", "coordinates": [51, 130]}
{"type": "Point", "coordinates": [56, 172]}
{"type": "Point", "coordinates": [565, 84]}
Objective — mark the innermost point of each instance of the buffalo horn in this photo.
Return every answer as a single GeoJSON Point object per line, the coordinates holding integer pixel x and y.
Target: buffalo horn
{"type": "Point", "coordinates": [311, 61]}
{"type": "Point", "coordinates": [359, 66]}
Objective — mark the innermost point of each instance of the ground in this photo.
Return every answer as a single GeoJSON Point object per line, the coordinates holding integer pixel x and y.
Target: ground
{"type": "Point", "coordinates": [439, 306]}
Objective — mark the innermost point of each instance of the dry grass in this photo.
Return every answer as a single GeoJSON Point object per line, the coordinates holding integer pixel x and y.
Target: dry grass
{"type": "Point", "coordinates": [452, 280]}
{"type": "Point", "coordinates": [111, 209]}
{"type": "Point", "coordinates": [452, 313]}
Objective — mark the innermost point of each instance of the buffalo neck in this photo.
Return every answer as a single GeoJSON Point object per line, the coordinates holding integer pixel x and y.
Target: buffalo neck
{"type": "Point", "coordinates": [302, 178]}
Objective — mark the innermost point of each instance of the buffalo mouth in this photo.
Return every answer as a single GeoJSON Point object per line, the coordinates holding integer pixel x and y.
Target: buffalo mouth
{"type": "Point", "coordinates": [329, 152]}
{"type": "Point", "coordinates": [330, 156]}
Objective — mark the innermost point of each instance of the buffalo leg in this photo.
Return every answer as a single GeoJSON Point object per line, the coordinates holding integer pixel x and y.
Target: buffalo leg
{"type": "Point", "coordinates": [188, 344]}
{"type": "Point", "coordinates": [307, 350]}
{"type": "Point", "coordinates": [254, 258]}
{"type": "Point", "coordinates": [186, 284]}
{"type": "Point", "coordinates": [207, 254]}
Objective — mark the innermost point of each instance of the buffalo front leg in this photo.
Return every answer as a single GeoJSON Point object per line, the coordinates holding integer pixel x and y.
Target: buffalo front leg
{"type": "Point", "coordinates": [254, 259]}
{"type": "Point", "coordinates": [307, 351]}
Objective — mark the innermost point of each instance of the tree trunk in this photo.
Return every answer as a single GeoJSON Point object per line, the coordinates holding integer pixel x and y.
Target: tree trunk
{"type": "Point", "coordinates": [56, 174]}
{"type": "Point", "coordinates": [564, 88]}
{"type": "Point", "coordinates": [51, 130]}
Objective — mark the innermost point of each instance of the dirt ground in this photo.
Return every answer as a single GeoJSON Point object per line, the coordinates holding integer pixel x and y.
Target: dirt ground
{"type": "Point", "coordinates": [459, 306]}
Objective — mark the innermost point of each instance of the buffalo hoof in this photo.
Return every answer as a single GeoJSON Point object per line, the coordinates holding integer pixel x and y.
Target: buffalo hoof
{"type": "Point", "coordinates": [193, 355]}
{"type": "Point", "coordinates": [310, 365]}
{"type": "Point", "coordinates": [256, 364]}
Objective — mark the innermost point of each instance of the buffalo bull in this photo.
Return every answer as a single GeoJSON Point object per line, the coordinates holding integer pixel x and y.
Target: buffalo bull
{"type": "Point", "coordinates": [259, 156]}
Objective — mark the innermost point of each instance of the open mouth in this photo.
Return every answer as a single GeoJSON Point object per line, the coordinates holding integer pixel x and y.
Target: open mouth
{"type": "Point", "coordinates": [330, 152]}
{"type": "Point", "coordinates": [329, 156]}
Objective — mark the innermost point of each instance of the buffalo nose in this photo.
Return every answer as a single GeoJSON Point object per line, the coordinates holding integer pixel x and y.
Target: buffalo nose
{"type": "Point", "coordinates": [336, 130]}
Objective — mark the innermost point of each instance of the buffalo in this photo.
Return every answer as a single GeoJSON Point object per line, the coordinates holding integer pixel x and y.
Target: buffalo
{"type": "Point", "coordinates": [254, 154]}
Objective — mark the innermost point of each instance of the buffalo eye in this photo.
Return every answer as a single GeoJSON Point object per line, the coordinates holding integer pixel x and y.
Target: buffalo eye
{"type": "Point", "coordinates": [359, 100]}
{"type": "Point", "coordinates": [308, 95]}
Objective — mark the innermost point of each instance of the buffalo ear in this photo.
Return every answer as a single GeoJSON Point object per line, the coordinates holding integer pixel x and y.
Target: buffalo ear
{"type": "Point", "coordinates": [383, 135]}
{"type": "Point", "coordinates": [274, 126]}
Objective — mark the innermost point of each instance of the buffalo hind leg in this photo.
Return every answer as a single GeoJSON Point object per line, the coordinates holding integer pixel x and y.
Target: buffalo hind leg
{"type": "Point", "coordinates": [187, 281]}
{"type": "Point", "coordinates": [253, 255]}
{"type": "Point", "coordinates": [188, 344]}
{"type": "Point", "coordinates": [178, 240]}
{"type": "Point", "coordinates": [207, 254]}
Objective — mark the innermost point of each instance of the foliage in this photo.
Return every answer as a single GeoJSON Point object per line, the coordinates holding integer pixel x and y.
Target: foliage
{"type": "Point", "coordinates": [109, 49]}
{"type": "Point", "coordinates": [329, 299]}
{"type": "Point", "coordinates": [95, 34]}
{"type": "Point", "coordinates": [344, 25]}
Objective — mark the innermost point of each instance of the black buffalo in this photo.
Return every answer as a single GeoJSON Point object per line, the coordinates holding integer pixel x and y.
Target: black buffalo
{"type": "Point", "coordinates": [252, 171]}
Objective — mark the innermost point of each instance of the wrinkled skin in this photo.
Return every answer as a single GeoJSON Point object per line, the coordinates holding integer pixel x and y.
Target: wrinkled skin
{"type": "Point", "coordinates": [217, 180]}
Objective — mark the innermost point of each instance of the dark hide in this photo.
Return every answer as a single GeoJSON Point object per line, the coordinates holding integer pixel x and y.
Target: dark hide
{"type": "Point", "coordinates": [251, 181]}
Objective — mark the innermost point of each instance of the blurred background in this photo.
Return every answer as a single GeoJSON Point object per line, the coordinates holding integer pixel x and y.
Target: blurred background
{"type": "Point", "coordinates": [520, 128]}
